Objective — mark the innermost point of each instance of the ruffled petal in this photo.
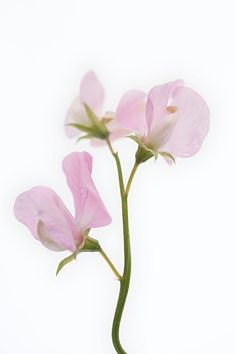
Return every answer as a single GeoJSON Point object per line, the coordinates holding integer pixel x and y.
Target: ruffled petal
{"type": "Point", "coordinates": [90, 210]}
{"type": "Point", "coordinates": [157, 102]}
{"type": "Point", "coordinates": [46, 216]}
{"type": "Point", "coordinates": [92, 92]}
{"type": "Point", "coordinates": [192, 125]}
{"type": "Point", "coordinates": [130, 112]}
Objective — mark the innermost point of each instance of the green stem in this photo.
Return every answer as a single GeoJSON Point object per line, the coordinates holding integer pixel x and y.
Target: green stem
{"type": "Point", "coordinates": [131, 177]}
{"type": "Point", "coordinates": [111, 265]}
{"type": "Point", "coordinates": [125, 281]}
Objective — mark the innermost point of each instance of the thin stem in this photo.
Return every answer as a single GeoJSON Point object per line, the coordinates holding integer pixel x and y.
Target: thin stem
{"type": "Point", "coordinates": [131, 177]}
{"type": "Point", "coordinates": [125, 281]}
{"type": "Point", "coordinates": [119, 168]}
{"type": "Point", "coordinates": [111, 265]}
{"type": "Point", "coordinates": [110, 147]}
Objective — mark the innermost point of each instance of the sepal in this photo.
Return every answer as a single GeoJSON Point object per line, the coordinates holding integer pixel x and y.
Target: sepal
{"type": "Point", "coordinates": [96, 129]}
{"type": "Point", "coordinates": [90, 245]}
{"type": "Point", "coordinates": [143, 154]}
{"type": "Point", "coordinates": [98, 126]}
{"type": "Point", "coordinates": [65, 261]}
{"type": "Point", "coordinates": [168, 157]}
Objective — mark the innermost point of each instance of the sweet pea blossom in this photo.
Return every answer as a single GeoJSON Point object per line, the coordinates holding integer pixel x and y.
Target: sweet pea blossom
{"type": "Point", "coordinates": [48, 219]}
{"type": "Point", "coordinates": [172, 120]}
{"type": "Point", "coordinates": [86, 113]}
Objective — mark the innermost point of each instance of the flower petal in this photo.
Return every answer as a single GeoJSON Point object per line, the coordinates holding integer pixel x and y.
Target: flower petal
{"type": "Point", "coordinates": [116, 131]}
{"type": "Point", "coordinates": [130, 112]}
{"type": "Point", "coordinates": [92, 92]}
{"type": "Point", "coordinates": [90, 210]}
{"type": "Point", "coordinates": [164, 128]}
{"type": "Point", "coordinates": [157, 102]}
{"type": "Point", "coordinates": [76, 114]}
{"type": "Point", "coordinates": [192, 125]}
{"type": "Point", "coordinates": [46, 216]}
{"type": "Point", "coordinates": [45, 238]}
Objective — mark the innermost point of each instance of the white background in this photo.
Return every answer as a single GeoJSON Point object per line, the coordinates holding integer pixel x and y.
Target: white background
{"type": "Point", "coordinates": [183, 292]}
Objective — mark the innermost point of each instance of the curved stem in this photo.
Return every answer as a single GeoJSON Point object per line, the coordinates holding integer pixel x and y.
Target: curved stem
{"type": "Point", "coordinates": [125, 281]}
{"type": "Point", "coordinates": [111, 265]}
{"type": "Point", "coordinates": [131, 177]}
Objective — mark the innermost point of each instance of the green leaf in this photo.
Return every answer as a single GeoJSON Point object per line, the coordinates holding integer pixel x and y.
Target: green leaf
{"type": "Point", "coordinates": [90, 245]}
{"type": "Point", "coordinates": [65, 261]}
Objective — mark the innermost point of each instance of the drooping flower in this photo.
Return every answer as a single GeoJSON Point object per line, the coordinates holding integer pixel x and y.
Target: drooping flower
{"type": "Point", "coordinates": [172, 120]}
{"type": "Point", "coordinates": [86, 113]}
{"type": "Point", "coordinates": [48, 219]}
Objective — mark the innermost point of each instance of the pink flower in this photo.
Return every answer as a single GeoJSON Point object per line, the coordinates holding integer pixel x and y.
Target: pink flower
{"type": "Point", "coordinates": [46, 216]}
{"type": "Point", "coordinates": [92, 119]}
{"type": "Point", "coordinates": [172, 120]}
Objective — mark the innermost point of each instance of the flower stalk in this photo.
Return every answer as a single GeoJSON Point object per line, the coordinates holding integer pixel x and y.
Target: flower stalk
{"type": "Point", "coordinates": [90, 245]}
{"type": "Point", "coordinates": [111, 265]}
{"type": "Point", "coordinates": [131, 177]}
{"type": "Point", "coordinates": [125, 280]}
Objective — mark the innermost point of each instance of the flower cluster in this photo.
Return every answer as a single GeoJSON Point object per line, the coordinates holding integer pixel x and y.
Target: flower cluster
{"type": "Point", "coordinates": [171, 120]}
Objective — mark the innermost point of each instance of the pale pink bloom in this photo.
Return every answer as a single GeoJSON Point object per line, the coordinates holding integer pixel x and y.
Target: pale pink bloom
{"type": "Point", "coordinates": [116, 131]}
{"type": "Point", "coordinates": [172, 118]}
{"type": "Point", "coordinates": [92, 93]}
{"type": "Point", "coordinates": [46, 216]}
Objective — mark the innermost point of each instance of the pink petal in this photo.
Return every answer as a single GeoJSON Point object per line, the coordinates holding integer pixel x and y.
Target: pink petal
{"type": "Point", "coordinates": [130, 112]}
{"type": "Point", "coordinates": [46, 239]}
{"type": "Point", "coordinates": [157, 102]}
{"type": "Point", "coordinates": [116, 132]}
{"type": "Point", "coordinates": [164, 128]}
{"type": "Point", "coordinates": [92, 92]}
{"type": "Point", "coordinates": [44, 213]}
{"type": "Point", "coordinates": [90, 210]}
{"type": "Point", "coordinates": [192, 125]}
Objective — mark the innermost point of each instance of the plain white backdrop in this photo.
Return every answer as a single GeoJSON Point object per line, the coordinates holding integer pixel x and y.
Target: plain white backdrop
{"type": "Point", "coordinates": [183, 292]}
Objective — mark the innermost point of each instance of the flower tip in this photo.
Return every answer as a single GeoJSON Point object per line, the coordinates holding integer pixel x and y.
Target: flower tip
{"type": "Point", "coordinates": [64, 262]}
{"type": "Point", "coordinates": [90, 73]}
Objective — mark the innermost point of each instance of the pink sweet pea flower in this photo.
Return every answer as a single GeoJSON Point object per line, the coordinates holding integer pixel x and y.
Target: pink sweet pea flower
{"type": "Point", "coordinates": [92, 94]}
{"type": "Point", "coordinates": [172, 120]}
{"type": "Point", "coordinates": [48, 219]}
